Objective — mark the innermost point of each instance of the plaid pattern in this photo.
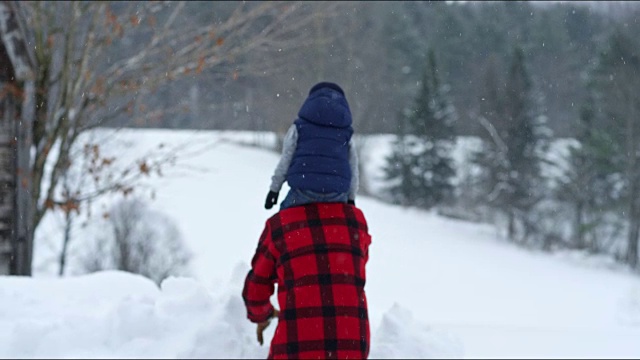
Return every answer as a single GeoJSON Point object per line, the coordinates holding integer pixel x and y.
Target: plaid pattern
{"type": "Point", "coordinates": [316, 253]}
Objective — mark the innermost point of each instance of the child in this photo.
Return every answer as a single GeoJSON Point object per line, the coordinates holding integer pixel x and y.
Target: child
{"type": "Point", "coordinates": [319, 160]}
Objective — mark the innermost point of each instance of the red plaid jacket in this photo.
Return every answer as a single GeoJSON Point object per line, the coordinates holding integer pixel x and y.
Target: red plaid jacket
{"type": "Point", "coordinates": [316, 253]}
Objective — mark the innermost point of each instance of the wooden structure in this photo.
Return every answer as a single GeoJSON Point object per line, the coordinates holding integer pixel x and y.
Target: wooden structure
{"type": "Point", "coordinates": [16, 119]}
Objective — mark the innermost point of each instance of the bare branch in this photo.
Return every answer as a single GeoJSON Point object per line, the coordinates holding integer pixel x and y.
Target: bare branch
{"type": "Point", "coordinates": [89, 75]}
{"type": "Point", "coordinates": [494, 134]}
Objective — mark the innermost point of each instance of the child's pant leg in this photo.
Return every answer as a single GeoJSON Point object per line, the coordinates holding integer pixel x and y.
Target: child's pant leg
{"type": "Point", "coordinates": [296, 197]}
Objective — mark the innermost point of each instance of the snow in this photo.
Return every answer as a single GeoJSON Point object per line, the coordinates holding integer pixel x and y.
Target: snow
{"type": "Point", "coordinates": [120, 315]}
{"type": "Point", "coordinates": [437, 287]}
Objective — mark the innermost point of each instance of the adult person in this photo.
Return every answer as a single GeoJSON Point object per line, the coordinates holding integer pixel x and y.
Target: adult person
{"type": "Point", "coordinates": [316, 253]}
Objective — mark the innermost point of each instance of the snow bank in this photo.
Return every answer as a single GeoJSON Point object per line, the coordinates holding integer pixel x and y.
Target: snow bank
{"type": "Point", "coordinates": [400, 336]}
{"type": "Point", "coordinates": [629, 310]}
{"type": "Point", "coordinates": [120, 315]}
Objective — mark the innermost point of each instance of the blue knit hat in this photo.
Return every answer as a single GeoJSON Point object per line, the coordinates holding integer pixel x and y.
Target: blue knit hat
{"type": "Point", "coordinates": [326, 84]}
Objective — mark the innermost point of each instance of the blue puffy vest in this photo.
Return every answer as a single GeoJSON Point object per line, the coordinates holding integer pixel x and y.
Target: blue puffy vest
{"type": "Point", "coordinates": [321, 160]}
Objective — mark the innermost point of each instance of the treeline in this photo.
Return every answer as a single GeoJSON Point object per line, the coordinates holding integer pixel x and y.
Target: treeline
{"type": "Point", "coordinates": [377, 52]}
{"type": "Point", "coordinates": [584, 194]}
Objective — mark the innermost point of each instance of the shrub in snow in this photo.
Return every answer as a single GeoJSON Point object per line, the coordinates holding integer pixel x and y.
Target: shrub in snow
{"type": "Point", "coordinates": [139, 240]}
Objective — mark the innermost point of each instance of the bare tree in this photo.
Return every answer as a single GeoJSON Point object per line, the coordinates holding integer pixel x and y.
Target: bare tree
{"type": "Point", "coordinates": [16, 110]}
{"type": "Point", "coordinates": [100, 61]}
{"type": "Point", "coordinates": [69, 219]}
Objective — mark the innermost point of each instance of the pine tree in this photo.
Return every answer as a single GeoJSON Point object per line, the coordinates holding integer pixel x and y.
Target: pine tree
{"type": "Point", "coordinates": [398, 168]}
{"type": "Point", "coordinates": [420, 168]}
{"type": "Point", "coordinates": [617, 83]}
{"type": "Point", "coordinates": [511, 155]}
{"type": "Point", "coordinates": [403, 47]}
{"type": "Point", "coordinates": [526, 139]}
{"type": "Point", "coordinates": [585, 183]}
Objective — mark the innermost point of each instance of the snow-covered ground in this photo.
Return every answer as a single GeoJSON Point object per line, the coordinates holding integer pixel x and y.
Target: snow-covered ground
{"type": "Point", "coordinates": [437, 287]}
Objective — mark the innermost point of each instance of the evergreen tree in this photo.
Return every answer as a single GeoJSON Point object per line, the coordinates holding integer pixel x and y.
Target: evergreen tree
{"type": "Point", "coordinates": [616, 81]}
{"type": "Point", "coordinates": [420, 168]}
{"type": "Point", "coordinates": [526, 141]}
{"type": "Point", "coordinates": [403, 48]}
{"type": "Point", "coordinates": [586, 182]}
{"type": "Point", "coordinates": [512, 154]}
{"type": "Point", "coordinates": [398, 169]}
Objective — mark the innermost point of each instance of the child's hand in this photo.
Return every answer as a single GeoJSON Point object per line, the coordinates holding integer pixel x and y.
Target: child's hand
{"type": "Point", "coordinates": [263, 325]}
{"type": "Point", "coordinates": [272, 199]}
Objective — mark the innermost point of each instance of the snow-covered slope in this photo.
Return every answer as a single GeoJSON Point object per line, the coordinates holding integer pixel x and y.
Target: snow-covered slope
{"type": "Point", "coordinates": [437, 287]}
